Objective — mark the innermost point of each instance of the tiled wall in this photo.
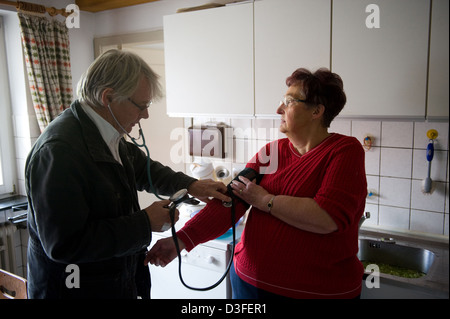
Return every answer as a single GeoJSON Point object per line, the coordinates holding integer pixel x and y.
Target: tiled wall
{"type": "Point", "coordinates": [395, 166]}
{"type": "Point", "coordinates": [26, 131]}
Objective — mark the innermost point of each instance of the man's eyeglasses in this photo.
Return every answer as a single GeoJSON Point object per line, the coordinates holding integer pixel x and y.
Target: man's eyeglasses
{"type": "Point", "coordinates": [142, 108]}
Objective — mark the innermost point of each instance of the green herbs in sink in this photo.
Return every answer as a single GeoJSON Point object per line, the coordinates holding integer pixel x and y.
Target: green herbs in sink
{"type": "Point", "coordinates": [395, 270]}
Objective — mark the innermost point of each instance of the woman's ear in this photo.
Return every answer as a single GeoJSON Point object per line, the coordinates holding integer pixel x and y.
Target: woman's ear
{"type": "Point", "coordinates": [318, 111]}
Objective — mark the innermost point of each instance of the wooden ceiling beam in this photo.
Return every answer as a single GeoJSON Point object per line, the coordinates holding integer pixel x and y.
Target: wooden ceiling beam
{"type": "Point", "coordinates": [101, 5]}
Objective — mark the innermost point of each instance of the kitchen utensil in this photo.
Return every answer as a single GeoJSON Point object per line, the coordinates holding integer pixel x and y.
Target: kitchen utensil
{"type": "Point", "coordinates": [427, 183]}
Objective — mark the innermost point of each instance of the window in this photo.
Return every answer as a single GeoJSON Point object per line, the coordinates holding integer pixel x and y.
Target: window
{"type": "Point", "coordinates": [7, 157]}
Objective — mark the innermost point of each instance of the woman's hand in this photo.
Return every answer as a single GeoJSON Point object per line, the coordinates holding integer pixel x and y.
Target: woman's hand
{"type": "Point", "coordinates": [252, 193]}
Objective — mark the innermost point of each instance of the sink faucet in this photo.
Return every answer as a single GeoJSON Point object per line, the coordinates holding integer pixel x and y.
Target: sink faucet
{"type": "Point", "coordinates": [365, 216]}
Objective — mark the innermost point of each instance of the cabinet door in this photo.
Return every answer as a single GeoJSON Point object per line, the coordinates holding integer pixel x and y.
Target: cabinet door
{"type": "Point", "coordinates": [438, 84]}
{"type": "Point", "coordinates": [384, 68]}
{"type": "Point", "coordinates": [289, 34]}
{"type": "Point", "coordinates": [209, 62]}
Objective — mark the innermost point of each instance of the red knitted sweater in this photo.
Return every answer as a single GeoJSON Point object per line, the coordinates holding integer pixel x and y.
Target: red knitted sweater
{"type": "Point", "coordinates": [285, 260]}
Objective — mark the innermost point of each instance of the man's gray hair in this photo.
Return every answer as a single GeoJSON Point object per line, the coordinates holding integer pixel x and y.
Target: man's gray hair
{"type": "Point", "coordinates": [117, 70]}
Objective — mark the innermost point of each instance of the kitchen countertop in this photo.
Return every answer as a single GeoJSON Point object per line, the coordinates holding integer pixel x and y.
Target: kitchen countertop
{"type": "Point", "coordinates": [8, 203]}
{"type": "Point", "coordinates": [437, 278]}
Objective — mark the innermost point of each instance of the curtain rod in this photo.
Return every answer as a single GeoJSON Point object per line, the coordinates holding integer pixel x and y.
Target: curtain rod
{"type": "Point", "coordinates": [33, 7]}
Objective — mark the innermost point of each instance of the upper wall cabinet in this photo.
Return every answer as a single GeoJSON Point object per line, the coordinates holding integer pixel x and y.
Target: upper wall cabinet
{"type": "Point", "coordinates": [209, 62]}
{"type": "Point", "coordinates": [438, 82]}
{"type": "Point", "coordinates": [289, 34]}
{"type": "Point", "coordinates": [380, 49]}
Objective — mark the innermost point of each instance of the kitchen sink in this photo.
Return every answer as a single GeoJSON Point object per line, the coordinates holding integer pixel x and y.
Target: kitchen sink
{"type": "Point", "coordinates": [392, 254]}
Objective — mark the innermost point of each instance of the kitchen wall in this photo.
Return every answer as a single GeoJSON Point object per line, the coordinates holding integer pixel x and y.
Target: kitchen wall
{"type": "Point", "coordinates": [395, 167]}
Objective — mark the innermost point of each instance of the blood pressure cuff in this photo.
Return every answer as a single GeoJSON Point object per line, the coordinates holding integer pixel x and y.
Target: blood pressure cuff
{"type": "Point", "coordinates": [247, 172]}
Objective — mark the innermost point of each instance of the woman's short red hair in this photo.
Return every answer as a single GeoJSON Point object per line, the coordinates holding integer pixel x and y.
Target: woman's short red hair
{"type": "Point", "coordinates": [321, 87]}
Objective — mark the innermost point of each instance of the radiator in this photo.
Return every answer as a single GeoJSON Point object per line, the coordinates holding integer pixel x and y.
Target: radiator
{"type": "Point", "coordinates": [9, 243]}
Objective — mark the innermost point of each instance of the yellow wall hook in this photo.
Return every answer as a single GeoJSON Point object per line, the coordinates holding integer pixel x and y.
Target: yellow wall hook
{"type": "Point", "coordinates": [432, 134]}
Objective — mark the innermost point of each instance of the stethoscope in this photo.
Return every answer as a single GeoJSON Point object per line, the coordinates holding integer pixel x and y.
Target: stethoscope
{"type": "Point", "coordinates": [182, 197]}
{"type": "Point", "coordinates": [140, 145]}
{"type": "Point", "coordinates": [177, 199]}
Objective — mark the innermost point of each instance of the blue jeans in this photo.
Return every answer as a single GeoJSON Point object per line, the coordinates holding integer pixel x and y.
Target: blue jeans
{"type": "Point", "coordinates": [243, 290]}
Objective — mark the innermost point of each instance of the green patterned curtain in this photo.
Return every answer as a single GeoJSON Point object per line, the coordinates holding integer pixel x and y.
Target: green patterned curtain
{"type": "Point", "coordinates": [47, 54]}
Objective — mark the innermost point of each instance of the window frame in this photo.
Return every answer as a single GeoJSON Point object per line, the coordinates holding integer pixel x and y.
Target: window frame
{"type": "Point", "coordinates": [7, 150]}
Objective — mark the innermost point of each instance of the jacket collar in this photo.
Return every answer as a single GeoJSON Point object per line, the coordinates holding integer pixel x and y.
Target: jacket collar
{"type": "Point", "coordinates": [94, 141]}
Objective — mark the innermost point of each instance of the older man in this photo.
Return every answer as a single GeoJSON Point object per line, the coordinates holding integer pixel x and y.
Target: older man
{"type": "Point", "coordinates": [82, 179]}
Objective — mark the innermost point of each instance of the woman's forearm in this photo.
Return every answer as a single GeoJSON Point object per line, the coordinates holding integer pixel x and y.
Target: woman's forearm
{"type": "Point", "coordinates": [301, 212]}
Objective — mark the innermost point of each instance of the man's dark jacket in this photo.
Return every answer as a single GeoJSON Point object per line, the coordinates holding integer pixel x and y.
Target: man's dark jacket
{"type": "Point", "coordinates": [84, 210]}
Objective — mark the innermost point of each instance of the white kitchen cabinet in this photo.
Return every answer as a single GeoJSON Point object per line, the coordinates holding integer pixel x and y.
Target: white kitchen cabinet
{"type": "Point", "coordinates": [209, 62]}
{"type": "Point", "coordinates": [289, 34]}
{"type": "Point", "coordinates": [384, 68]}
{"type": "Point", "coordinates": [438, 81]}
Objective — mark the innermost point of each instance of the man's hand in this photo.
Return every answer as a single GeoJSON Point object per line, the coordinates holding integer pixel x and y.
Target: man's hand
{"type": "Point", "coordinates": [163, 252]}
{"type": "Point", "coordinates": [207, 188]}
{"type": "Point", "coordinates": [158, 214]}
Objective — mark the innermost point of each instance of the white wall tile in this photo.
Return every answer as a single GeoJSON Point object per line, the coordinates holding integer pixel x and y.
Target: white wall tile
{"type": "Point", "coordinates": [395, 191]}
{"type": "Point", "coordinates": [21, 126]}
{"type": "Point", "coordinates": [446, 198]}
{"type": "Point", "coordinates": [23, 147]}
{"type": "Point", "coordinates": [243, 150]}
{"type": "Point", "coordinates": [428, 222]}
{"type": "Point", "coordinates": [263, 129]}
{"type": "Point", "coordinates": [242, 128]}
{"type": "Point", "coordinates": [21, 189]}
{"type": "Point", "coordinates": [20, 162]}
{"type": "Point", "coordinates": [397, 134]}
{"type": "Point", "coordinates": [341, 126]}
{"type": "Point", "coordinates": [394, 217]}
{"type": "Point", "coordinates": [372, 161]}
{"type": "Point", "coordinates": [396, 162]}
{"type": "Point", "coordinates": [448, 167]}
{"type": "Point", "coordinates": [431, 202]}
{"type": "Point", "coordinates": [446, 231]}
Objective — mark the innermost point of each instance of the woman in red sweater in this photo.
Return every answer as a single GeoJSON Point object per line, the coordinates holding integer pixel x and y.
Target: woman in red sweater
{"type": "Point", "coordinates": [301, 235]}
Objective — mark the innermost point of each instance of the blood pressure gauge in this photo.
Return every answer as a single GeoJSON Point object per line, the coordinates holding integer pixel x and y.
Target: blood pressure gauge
{"type": "Point", "coordinates": [178, 197]}
{"type": "Point", "coordinates": [182, 197]}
